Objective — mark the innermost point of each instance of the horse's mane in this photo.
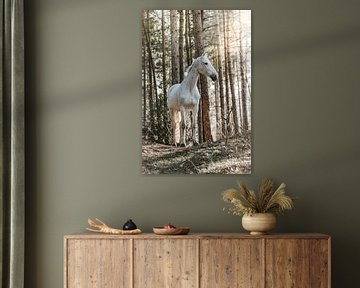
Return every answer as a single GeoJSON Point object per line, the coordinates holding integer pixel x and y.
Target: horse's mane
{"type": "Point", "coordinates": [191, 66]}
{"type": "Point", "coordinates": [188, 69]}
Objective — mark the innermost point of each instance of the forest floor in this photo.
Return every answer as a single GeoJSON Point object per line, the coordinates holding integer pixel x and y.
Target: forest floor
{"type": "Point", "coordinates": [221, 157]}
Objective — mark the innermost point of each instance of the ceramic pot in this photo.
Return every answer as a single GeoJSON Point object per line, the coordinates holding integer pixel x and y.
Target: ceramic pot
{"type": "Point", "coordinates": [129, 225]}
{"type": "Point", "coordinates": [259, 223]}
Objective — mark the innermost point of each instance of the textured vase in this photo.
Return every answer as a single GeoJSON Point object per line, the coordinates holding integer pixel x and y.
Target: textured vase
{"type": "Point", "coordinates": [259, 223]}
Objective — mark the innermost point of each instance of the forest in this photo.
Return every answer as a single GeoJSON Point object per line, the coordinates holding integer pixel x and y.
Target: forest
{"type": "Point", "coordinates": [172, 41]}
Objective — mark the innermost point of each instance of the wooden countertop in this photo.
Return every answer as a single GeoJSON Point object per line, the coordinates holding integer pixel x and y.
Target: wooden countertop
{"type": "Point", "coordinates": [88, 235]}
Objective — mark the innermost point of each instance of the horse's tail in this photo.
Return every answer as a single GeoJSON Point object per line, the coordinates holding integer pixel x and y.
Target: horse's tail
{"type": "Point", "coordinates": [177, 116]}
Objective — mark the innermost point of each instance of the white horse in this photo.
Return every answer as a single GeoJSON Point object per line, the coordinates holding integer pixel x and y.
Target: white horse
{"type": "Point", "coordinates": [185, 96]}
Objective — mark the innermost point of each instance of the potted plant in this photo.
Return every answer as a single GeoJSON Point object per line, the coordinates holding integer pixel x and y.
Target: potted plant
{"type": "Point", "coordinates": [258, 210]}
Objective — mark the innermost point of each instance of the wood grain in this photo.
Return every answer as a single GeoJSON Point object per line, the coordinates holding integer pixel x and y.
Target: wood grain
{"type": "Point", "coordinates": [88, 235]}
{"type": "Point", "coordinates": [206, 260]}
{"type": "Point", "coordinates": [319, 263]}
{"type": "Point", "coordinates": [231, 263]}
{"type": "Point", "coordinates": [287, 263]}
{"type": "Point", "coordinates": [98, 264]}
{"type": "Point", "coordinates": [165, 263]}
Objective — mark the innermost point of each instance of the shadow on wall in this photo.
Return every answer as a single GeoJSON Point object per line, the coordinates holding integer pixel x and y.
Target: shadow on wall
{"type": "Point", "coordinates": [122, 87]}
{"type": "Point", "coordinates": [335, 212]}
{"type": "Point", "coordinates": [94, 95]}
{"type": "Point", "coordinates": [308, 45]}
{"type": "Point", "coordinates": [67, 4]}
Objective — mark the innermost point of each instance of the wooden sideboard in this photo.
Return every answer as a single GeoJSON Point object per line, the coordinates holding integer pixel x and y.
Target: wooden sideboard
{"type": "Point", "coordinates": [197, 260]}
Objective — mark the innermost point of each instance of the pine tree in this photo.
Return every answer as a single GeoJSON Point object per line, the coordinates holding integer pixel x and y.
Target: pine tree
{"type": "Point", "coordinates": [199, 48]}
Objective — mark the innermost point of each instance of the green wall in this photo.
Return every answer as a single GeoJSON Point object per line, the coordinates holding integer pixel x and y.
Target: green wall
{"type": "Point", "coordinates": [83, 126]}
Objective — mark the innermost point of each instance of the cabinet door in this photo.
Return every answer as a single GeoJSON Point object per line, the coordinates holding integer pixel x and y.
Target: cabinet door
{"type": "Point", "coordinates": [98, 263]}
{"type": "Point", "coordinates": [231, 263]}
{"type": "Point", "coordinates": [320, 263]}
{"type": "Point", "coordinates": [166, 263]}
{"type": "Point", "coordinates": [287, 263]}
{"type": "Point", "coordinates": [297, 263]}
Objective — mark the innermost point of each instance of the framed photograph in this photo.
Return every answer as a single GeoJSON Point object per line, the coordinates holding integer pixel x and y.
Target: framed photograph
{"type": "Point", "coordinates": [196, 92]}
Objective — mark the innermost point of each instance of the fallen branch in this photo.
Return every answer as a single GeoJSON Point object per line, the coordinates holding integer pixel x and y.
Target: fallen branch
{"type": "Point", "coordinates": [101, 227]}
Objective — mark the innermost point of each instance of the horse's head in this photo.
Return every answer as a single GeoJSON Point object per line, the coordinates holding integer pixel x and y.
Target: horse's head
{"type": "Point", "coordinates": [206, 68]}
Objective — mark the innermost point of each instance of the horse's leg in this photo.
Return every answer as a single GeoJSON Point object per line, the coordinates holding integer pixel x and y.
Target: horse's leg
{"type": "Point", "coordinates": [172, 121]}
{"type": "Point", "coordinates": [193, 125]}
{"type": "Point", "coordinates": [177, 118]}
{"type": "Point", "coordinates": [182, 126]}
{"type": "Point", "coordinates": [174, 114]}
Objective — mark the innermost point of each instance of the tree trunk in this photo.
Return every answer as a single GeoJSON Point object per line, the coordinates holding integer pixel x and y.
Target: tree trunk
{"type": "Point", "coordinates": [227, 92]}
{"type": "Point", "coordinates": [243, 94]}
{"type": "Point", "coordinates": [200, 123]}
{"type": "Point", "coordinates": [221, 79]}
{"type": "Point", "coordinates": [164, 110]}
{"type": "Point", "coordinates": [217, 107]}
{"type": "Point", "coordinates": [231, 81]}
{"type": "Point", "coordinates": [174, 27]}
{"type": "Point", "coordinates": [191, 34]}
{"type": "Point", "coordinates": [144, 71]}
{"type": "Point", "coordinates": [157, 104]}
{"type": "Point", "coordinates": [238, 80]}
{"type": "Point", "coordinates": [199, 49]}
{"type": "Point", "coordinates": [151, 103]}
{"type": "Point", "coordinates": [181, 45]}
{"type": "Point", "coordinates": [153, 85]}
{"type": "Point", "coordinates": [243, 86]}
{"type": "Point", "coordinates": [187, 43]}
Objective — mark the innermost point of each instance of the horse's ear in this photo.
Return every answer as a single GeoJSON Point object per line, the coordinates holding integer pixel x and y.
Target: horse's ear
{"type": "Point", "coordinates": [205, 54]}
